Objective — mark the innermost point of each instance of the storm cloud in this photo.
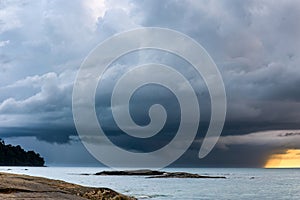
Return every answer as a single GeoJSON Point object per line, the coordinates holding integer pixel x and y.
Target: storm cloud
{"type": "Point", "coordinates": [255, 45]}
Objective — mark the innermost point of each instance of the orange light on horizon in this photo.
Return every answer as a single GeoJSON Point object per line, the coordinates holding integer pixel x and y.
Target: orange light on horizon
{"type": "Point", "coordinates": [289, 159]}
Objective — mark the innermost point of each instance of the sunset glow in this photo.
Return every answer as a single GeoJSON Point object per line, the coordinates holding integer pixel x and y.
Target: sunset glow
{"type": "Point", "coordinates": [289, 159]}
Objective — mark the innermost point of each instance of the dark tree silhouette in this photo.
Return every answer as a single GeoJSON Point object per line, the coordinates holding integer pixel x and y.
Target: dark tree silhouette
{"type": "Point", "coordinates": [16, 156]}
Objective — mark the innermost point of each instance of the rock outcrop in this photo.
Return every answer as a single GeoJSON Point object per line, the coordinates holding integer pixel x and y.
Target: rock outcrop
{"type": "Point", "coordinates": [153, 174]}
{"type": "Point", "coordinates": [13, 186]}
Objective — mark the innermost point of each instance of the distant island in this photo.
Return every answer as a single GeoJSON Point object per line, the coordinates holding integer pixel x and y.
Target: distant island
{"type": "Point", "coordinates": [16, 156]}
{"type": "Point", "coordinates": [152, 174]}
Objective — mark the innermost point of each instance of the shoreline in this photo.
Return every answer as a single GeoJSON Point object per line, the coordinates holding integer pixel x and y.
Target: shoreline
{"type": "Point", "coordinates": [33, 187]}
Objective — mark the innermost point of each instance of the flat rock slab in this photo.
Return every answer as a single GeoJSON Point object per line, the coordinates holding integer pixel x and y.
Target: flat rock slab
{"type": "Point", "coordinates": [153, 174]}
{"type": "Point", "coordinates": [14, 186]}
{"type": "Point", "coordinates": [140, 172]}
{"type": "Point", "coordinates": [183, 175]}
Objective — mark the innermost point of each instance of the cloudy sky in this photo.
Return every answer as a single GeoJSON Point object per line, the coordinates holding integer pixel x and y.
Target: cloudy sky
{"type": "Point", "coordinates": [255, 45]}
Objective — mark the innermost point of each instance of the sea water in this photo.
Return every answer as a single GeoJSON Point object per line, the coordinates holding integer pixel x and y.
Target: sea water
{"type": "Point", "coordinates": [240, 183]}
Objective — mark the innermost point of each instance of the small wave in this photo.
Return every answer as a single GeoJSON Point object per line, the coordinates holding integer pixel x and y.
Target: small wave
{"type": "Point", "coordinates": [150, 196]}
{"type": "Point", "coordinates": [143, 197]}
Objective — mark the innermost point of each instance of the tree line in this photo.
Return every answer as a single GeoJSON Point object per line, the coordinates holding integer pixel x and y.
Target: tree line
{"type": "Point", "coordinates": [16, 156]}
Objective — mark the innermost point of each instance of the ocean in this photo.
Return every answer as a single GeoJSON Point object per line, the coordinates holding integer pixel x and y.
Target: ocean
{"type": "Point", "coordinates": [241, 183]}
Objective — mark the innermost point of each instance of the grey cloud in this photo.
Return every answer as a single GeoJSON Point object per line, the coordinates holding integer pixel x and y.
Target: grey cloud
{"type": "Point", "coordinates": [254, 43]}
{"type": "Point", "coordinates": [53, 95]}
{"type": "Point", "coordinates": [39, 64]}
{"type": "Point", "coordinates": [284, 139]}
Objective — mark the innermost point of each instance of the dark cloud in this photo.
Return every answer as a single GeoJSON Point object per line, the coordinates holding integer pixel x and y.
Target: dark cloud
{"type": "Point", "coordinates": [47, 133]}
{"type": "Point", "coordinates": [248, 150]}
{"type": "Point", "coordinates": [255, 44]}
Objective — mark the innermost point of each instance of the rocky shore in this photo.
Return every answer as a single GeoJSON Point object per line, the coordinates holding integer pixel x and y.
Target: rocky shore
{"type": "Point", "coordinates": [14, 186]}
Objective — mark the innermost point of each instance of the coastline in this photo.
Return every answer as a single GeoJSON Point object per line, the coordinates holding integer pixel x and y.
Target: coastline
{"type": "Point", "coordinates": [32, 187]}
